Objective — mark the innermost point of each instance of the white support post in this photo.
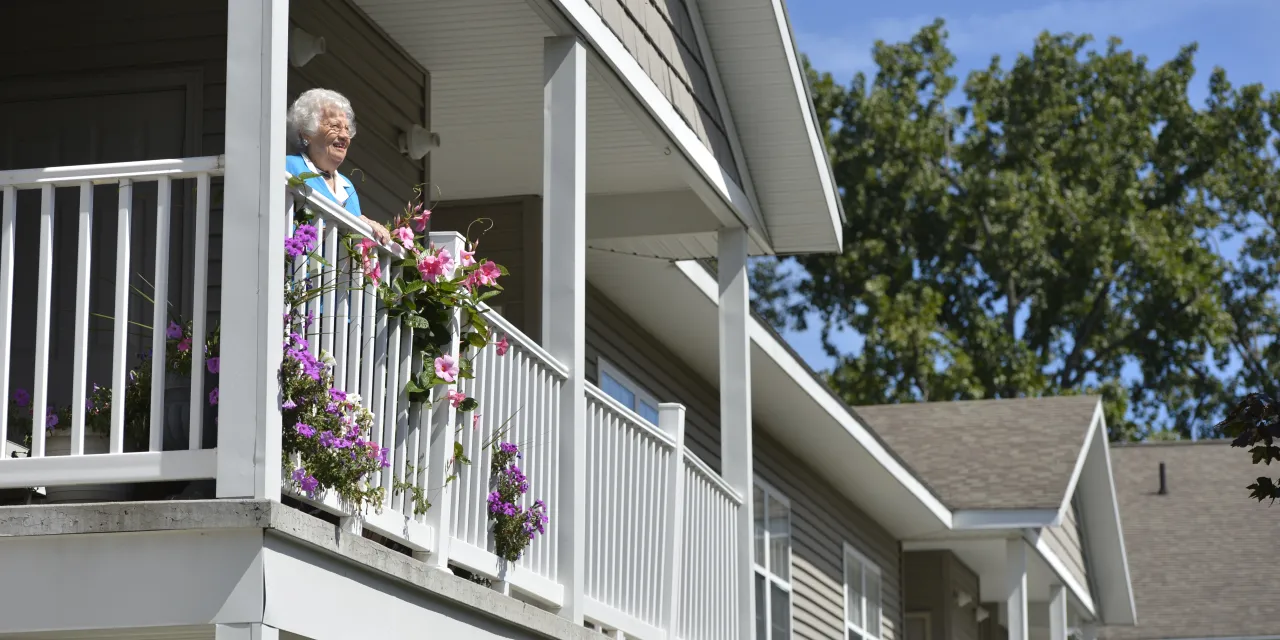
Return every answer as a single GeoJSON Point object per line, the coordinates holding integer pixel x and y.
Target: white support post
{"type": "Point", "coordinates": [1057, 612]}
{"type": "Point", "coordinates": [671, 421]}
{"type": "Point", "coordinates": [564, 301]}
{"type": "Point", "coordinates": [441, 423]}
{"type": "Point", "coordinates": [1016, 588]}
{"type": "Point", "coordinates": [735, 407]}
{"type": "Point", "coordinates": [253, 265]}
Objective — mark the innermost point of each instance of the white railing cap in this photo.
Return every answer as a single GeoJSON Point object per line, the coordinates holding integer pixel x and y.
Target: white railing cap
{"type": "Point", "coordinates": [114, 172]}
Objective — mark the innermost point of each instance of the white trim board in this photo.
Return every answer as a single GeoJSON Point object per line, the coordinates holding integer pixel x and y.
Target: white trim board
{"type": "Point", "coordinates": [659, 109]}
{"type": "Point", "coordinates": [1078, 591]}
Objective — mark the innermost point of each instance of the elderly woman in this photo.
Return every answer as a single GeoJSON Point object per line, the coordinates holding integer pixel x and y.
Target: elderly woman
{"type": "Point", "coordinates": [321, 125]}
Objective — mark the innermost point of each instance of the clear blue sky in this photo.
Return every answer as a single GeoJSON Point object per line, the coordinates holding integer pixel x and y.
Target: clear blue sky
{"type": "Point", "coordinates": [1238, 35]}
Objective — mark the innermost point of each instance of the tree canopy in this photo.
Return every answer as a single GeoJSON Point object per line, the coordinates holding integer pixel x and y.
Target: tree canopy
{"type": "Point", "coordinates": [1055, 227]}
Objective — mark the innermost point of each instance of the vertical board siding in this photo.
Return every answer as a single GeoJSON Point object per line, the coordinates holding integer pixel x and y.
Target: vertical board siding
{"type": "Point", "coordinates": [661, 36]}
{"type": "Point", "coordinates": [1065, 542]}
{"type": "Point", "coordinates": [822, 521]}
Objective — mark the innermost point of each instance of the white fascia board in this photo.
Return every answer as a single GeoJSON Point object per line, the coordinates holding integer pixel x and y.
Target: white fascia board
{"type": "Point", "coordinates": [1081, 594]}
{"type": "Point", "coordinates": [980, 519]}
{"type": "Point", "coordinates": [615, 54]}
{"type": "Point", "coordinates": [770, 345]}
{"type": "Point", "coordinates": [1097, 423]}
{"type": "Point", "coordinates": [1104, 533]}
{"type": "Point", "coordinates": [801, 84]}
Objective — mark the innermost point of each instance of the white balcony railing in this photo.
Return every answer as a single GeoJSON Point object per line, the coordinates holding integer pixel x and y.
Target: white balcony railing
{"type": "Point", "coordinates": [82, 457]}
{"type": "Point", "coordinates": [660, 557]}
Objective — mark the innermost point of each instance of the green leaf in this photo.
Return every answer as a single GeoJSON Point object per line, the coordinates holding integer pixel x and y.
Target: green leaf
{"type": "Point", "coordinates": [477, 340]}
{"type": "Point", "coordinates": [460, 454]}
{"type": "Point", "coordinates": [415, 321]}
{"type": "Point", "coordinates": [468, 405]}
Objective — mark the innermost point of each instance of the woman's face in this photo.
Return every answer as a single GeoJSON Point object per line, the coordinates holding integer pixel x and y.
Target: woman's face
{"type": "Point", "coordinates": [327, 147]}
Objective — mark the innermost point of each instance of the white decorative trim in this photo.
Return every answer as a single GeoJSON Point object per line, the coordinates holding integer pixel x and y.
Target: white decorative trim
{"type": "Point", "coordinates": [1080, 460]}
{"type": "Point", "coordinates": [770, 345]}
{"type": "Point", "coordinates": [615, 54]}
{"type": "Point", "coordinates": [1059, 568]}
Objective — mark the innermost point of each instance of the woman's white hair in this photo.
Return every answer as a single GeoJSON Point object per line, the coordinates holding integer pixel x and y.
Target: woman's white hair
{"type": "Point", "coordinates": [306, 111]}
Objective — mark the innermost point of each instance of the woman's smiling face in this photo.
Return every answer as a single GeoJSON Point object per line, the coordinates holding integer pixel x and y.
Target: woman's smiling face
{"type": "Point", "coordinates": [327, 147]}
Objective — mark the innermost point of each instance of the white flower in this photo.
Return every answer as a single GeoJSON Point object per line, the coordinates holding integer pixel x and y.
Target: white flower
{"type": "Point", "coordinates": [327, 359]}
{"type": "Point", "coordinates": [353, 398]}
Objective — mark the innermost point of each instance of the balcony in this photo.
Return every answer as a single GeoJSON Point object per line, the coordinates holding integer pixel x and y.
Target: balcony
{"type": "Point", "coordinates": [660, 543]}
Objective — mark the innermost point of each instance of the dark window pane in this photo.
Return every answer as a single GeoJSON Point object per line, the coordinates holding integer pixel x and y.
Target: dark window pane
{"type": "Point", "coordinates": [762, 631]}
{"type": "Point", "coordinates": [780, 610]}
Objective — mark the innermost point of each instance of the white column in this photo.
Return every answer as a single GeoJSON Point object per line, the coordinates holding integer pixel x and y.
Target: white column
{"type": "Point", "coordinates": [253, 255]}
{"type": "Point", "coordinates": [1016, 588]}
{"type": "Point", "coordinates": [245, 631]}
{"type": "Point", "coordinates": [671, 421]}
{"type": "Point", "coordinates": [1057, 612]}
{"type": "Point", "coordinates": [564, 301]}
{"type": "Point", "coordinates": [735, 407]}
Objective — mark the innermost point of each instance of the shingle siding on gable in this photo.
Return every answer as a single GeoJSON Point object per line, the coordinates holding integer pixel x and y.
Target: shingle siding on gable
{"type": "Point", "coordinates": [661, 36]}
{"type": "Point", "coordinates": [1065, 542]}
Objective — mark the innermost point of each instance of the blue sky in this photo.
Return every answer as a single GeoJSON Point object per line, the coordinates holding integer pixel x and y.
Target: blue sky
{"type": "Point", "coordinates": [1237, 35]}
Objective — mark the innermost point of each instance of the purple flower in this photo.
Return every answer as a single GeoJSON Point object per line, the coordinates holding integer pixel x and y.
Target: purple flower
{"type": "Point", "coordinates": [328, 440]}
{"type": "Point", "coordinates": [384, 457]}
{"type": "Point", "coordinates": [338, 395]}
{"type": "Point", "coordinates": [306, 482]}
{"type": "Point", "coordinates": [213, 396]}
{"type": "Point", "coordinates": [174, 332]}
{"type": "Point", "coordinates": [214, 365]}
{"type": "Point", "coordinates": [88, 404]}
{"type": "Point", "coordinates": [331, 408]}
{"type": "Point", "coordinates": [289, 404]}
{"type": "Point", "coordinates": [22, 397]}
{"type": "Point", "coordinates": [507, 447]}
{"type": "Point", "coordinates": [52, 420]}
{"type": "Point", "coordinates": [305, 430]}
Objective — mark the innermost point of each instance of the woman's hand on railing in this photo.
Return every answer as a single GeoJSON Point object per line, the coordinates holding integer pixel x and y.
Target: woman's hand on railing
{"type": "Point", "coordinates": [380, 232]}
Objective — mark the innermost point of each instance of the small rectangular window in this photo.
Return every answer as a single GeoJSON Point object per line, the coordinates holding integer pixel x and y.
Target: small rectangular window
{"type": "Point", "coordinates": [772, 513]}
{"type": "Point", "coordinates": [861, 596]}
{"type": "Point", "coordinates": [618, 386]}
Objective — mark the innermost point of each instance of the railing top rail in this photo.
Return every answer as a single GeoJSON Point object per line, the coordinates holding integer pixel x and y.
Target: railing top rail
{"type": "Point", "coordinates": [701, 467]}
{"type": "Point", "coordinates": [502, 324]}
{"type": "Point", "coordinates": [594, 393]}
{"type": "Point", "coordinates": [113, 172]}
{"type": "Point", "coordinates": [331, 210]}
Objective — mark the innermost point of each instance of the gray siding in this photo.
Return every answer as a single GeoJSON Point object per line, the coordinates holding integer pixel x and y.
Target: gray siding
{"type": "Point", "coordinates": [1065, 542]}
{"type": "Point", "coordinates": [932, 578]}
{"type": "Point", "coordinates": [662, 37]}
{"type": "Point", "coordinates": [821, 522]}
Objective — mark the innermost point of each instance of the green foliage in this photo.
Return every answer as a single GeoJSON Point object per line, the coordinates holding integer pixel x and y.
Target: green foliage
{"type": "Point", "coordinates": [1255, 425]}
{"type": "Point", "coordinates": [1055, 223]}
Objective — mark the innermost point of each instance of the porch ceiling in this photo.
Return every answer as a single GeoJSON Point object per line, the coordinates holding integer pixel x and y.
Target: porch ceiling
{"type": "Point", "coordinates": [485, 60]}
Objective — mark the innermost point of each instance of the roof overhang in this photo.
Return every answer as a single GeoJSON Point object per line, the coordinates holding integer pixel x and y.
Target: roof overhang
{"type": "Point", "coordinates": [1099, 513]}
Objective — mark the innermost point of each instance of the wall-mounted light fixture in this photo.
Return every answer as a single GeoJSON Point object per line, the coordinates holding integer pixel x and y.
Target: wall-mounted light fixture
{"type": "Point", "coordinates": [303, 47]}
{"type": "Point", "coordinates": [963, 599]}
{"type": "Point", "coordinates": [418, 142]}
{"type": "Point", "coordinates": [981, 615]}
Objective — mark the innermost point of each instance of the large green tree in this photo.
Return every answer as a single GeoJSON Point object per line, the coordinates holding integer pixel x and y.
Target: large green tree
{"type": "Point", "coordinates": [1054, 223]}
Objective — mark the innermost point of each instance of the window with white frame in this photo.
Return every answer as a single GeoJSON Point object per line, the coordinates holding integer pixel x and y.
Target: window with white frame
{"type": "Point", "coordinates": [861, 596]}
{"type": "Point", "coordinates": [618, 386]}
{"type": "Point", "coordinates": [772, 563]}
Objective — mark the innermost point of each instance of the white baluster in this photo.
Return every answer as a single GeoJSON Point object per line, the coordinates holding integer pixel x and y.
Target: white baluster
{"type": "Point", "coordinates": [8, 226]}
{"type": "Point", "coordinates": [44, 298]}
{"type": "Point", "coordinates": [80, 351]}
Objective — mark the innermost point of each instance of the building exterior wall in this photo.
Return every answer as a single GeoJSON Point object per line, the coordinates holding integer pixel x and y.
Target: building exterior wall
{"type": "Point", "coordinates": [662, 35]}
{"type": "Point", "coordinates": [932, 580]}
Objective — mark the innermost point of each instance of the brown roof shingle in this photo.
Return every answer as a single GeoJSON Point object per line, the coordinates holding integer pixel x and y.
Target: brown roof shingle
{"type": "Point", "coordinates": [989, 454]}
{"type": "Point", "coordinates": [1200, 557]}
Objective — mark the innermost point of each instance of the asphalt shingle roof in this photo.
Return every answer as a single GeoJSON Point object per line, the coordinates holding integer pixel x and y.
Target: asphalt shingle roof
{"type": "Point", "coordinates": [1201, 556]}
{"type": "Point", "coordinates": [989, 454]}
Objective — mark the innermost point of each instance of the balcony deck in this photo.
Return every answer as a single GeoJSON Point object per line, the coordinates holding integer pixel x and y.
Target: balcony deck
{"type": "Point", "coordinates": [659, 522]}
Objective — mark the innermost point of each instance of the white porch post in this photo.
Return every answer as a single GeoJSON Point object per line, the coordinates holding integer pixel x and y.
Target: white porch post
{"type": "Point", "coordinates": [1057, 612]}
{"type": "Point", "coordinates": [671, 421]}
{"type": "Point", "coordinates": [735, 408]}
{"type": "Point", "coordinates": [564, 295]}
{"type": "Point", "coordinates": [253, 258]}
{"type": "Point", "coordinates": [1016, 588]}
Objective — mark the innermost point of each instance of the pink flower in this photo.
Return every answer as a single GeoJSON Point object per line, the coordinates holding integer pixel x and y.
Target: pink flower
{"type": "Point", "coordinates": [488, 273]}
{"type": "Point", "coordinates": [456, 398]}
{"type": "Point", "coordinates": [365, 247]}
{"type": "Point", "coordinates": [419, 221]}
{"type": "Point", "coordinates": [405, 236]}
{"type": "Point", "coordinates": [373, 271]}
{"type": "Point", "coordinates": [185, 345]}
{"type": "Point", "coordinates": [433, 266]}
{"type": "Point", "coordinates": [503, 346]}
{"type": "Point", "coordinates": [447, 368]}
{"type": "Point", "coordinates": [466, 258]}
{"type": "Point", "coordinates": [475, 421]}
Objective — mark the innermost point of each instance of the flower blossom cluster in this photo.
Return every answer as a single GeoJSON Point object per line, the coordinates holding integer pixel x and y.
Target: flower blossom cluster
{"type": "Point", "coordinates": [514, 527]}
{"type": "Point", "coordinates": [302, 242]}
